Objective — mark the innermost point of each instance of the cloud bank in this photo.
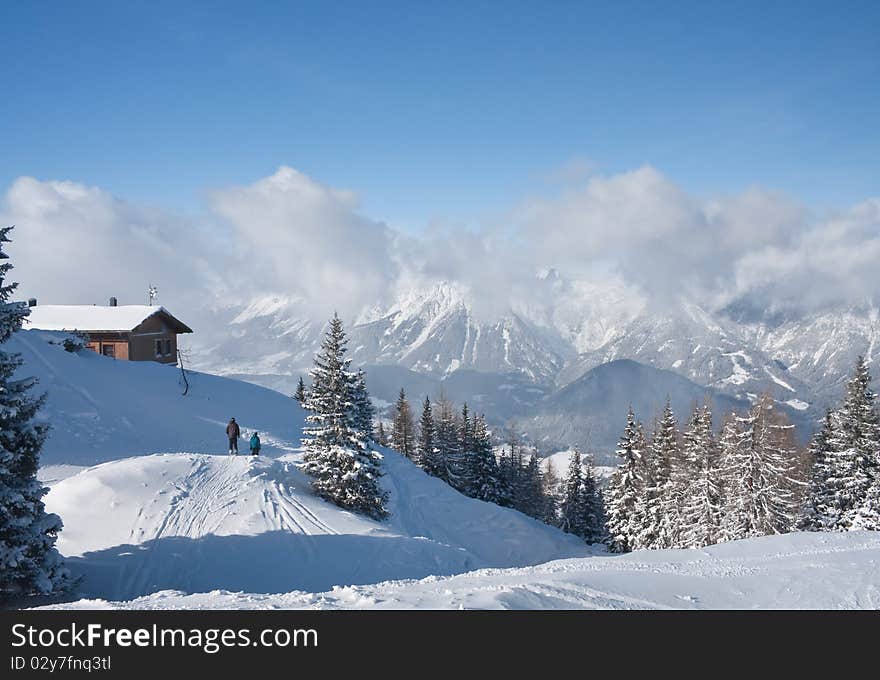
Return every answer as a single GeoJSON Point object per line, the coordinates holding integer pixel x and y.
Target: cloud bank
{"type": "Point", "coordinates": [618, 241]}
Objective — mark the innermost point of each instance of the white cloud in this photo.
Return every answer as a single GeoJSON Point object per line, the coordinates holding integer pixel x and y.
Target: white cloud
{"type": "Point", "coordinates": [614, 240]}
{"type": "Point", "coordinates": [297, 236]}
{"type": "Point", "coordinates": [79, 244]}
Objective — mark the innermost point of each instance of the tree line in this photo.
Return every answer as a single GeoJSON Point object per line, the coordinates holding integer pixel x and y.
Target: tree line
{"type": "Point", "coordinates": [691, 489]}
{"type": "Point", "coordinates": [683, 487]}
{"type": "Point", "coordinates": [458, 447]}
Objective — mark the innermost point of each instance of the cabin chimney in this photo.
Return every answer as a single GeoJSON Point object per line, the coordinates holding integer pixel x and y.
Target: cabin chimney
{"type": "Point", "coordinates": [32, 302]}
{"type": "Point", "coordinates": [113, 302]}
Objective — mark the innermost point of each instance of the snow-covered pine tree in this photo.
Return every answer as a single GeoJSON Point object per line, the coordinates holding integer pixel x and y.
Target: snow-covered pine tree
{"type": "Point", "coordinates": [485, 478]}
{"type": "Point", "coordinates": [700, 480]}
{"type": "Point", "coordinates": [571, 518]}
{"type": "Point", "coordinates": [531, 501]}
{"type": "Point", "coordinates": [465, 430]}
{"type": "Point", "coordinates": [466, 450]}
{"type": "Point", "coordinates": [512, 464]}
{"type": "Point", "coordinates": [363, 406]}
{"type": "Point", "coordinates": [820, 505]}
{"type": "Point", "coordinates": [853, 452]}
{"type": "Point", "coordinates": [29, 562]}
{"type": "Point", "coordinates": [660, 521]}
{"type": "Point", "coordinates": [758, 454]}
{"type": "Point", "coordinates": [446, 441]}
{"type": "Point", "coordinates": [868, 516]}
{"type": "Point", "coordinates": [427, 455]}
{"type": "Point", "coordinates": [623, 496]}
{"type": "Point", "coordinates": [592, 508]}
{"type": "Point", "coordinates": [337, 456]}
{"type": "Point", "coordinates": [550, 491]}
{"type": "Point", "coordinates": [300, 394]}
{"type": "Point", "coordinates": [403, 427]}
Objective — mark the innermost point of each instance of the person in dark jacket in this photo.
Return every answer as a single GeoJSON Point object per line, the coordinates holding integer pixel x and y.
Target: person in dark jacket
{"type": "Point", "coordinates": [255, 444]}
{"type": "Point", "coordinates": [233, 431]}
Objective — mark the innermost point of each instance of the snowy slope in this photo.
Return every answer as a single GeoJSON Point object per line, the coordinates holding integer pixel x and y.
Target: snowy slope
{"type": "Point", "coordinates": [196, 522]}
{"type": "Point", "coordinates": [795, 571]}
{"type": "Point", "coordinates": [101, 409]}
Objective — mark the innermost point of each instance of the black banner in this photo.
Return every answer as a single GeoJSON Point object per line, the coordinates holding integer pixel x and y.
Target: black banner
{"type": "Point", "coordinates": [122, 643]}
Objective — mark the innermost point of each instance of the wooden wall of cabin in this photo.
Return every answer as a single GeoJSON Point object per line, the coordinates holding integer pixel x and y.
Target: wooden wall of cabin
{"type": "Point", "coordinates": [142, 342]}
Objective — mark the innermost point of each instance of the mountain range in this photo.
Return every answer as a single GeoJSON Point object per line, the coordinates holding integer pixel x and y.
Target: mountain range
{"type": "Point", "coordinates": [535, 369]}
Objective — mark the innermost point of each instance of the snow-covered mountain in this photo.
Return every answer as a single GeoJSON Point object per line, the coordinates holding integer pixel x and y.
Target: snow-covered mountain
{"type": "Point", "coordinates": [435, 332]}
{"type": "Point", "coordinates": [710, 351]}
{"type": "Point", "coordinates": [591, 411]}
{"type": "Point", "coordinates": [820, 349]}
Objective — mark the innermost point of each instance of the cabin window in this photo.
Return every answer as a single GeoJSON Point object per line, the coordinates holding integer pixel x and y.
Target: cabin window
{"type": "Point", "coordinates": [158, 348]}
{"type": "Point", "coordinates": [109, 350]}
{"type": "Point", "coordinates": [167, 347]}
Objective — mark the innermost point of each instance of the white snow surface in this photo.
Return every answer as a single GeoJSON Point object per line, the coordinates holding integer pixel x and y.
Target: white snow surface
{"type": "Point", "coordinates": [794, 571]}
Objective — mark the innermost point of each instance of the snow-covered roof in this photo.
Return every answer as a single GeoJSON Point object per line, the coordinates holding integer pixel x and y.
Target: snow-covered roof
{"type": "Point", "coordinates": [94, 318]}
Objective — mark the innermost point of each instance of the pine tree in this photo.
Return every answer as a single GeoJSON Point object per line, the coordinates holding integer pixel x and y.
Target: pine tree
{"type": "Point", "coordinates": [485, 478]}
{"type": "Point", "coordinates": [868, 516]}
{"type": "Point", "coordinates": [466, 452]}
{"type": "Point", "coordinates": [699, 479]}
{"type": "Point", "coordinates": [345, 470]}
{"type": "Point", "coordinates": [532, 501]}
{"type": "Point", "coordinates": [820, 505]}
{"type": "Point", "coordinates": [660, 519]}
{"type": "Point", "coordinates": [465, 430]}
{"type": "Point", "coordinates": [300, 394]}
{"type": "Point", "coordinates": [550, 492]}
{"type": "Point", "coordinates": [447, 443]}
{"type": "Point", "coordinates": [512, 464]}
{"type": "Point", "coordinates": [29, 562]}
{"type": "Point", "coordinates": [403, 427]}
{"type": "Point", "coordinates": [852, 452]}
{"type": "Point", "coordinates": [571, 519]}
{"type": "Point", "coordinates": [592, 509]}
{"type": "Point", "coordinates": [623, 498]}
{"type": "Point", "coordinates": [427, 455]}
{"type": "Point", "coordinates": [758, 455]}
{"type": "Point", "coordinates": [363, 406]}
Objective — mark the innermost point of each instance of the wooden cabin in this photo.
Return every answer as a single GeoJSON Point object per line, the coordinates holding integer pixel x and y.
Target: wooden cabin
{"type": "Point", "coordinates": [129, 332]}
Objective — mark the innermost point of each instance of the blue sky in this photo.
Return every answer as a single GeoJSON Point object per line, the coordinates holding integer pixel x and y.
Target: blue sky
{"type": "Point", "coordinates": [447, 111]}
